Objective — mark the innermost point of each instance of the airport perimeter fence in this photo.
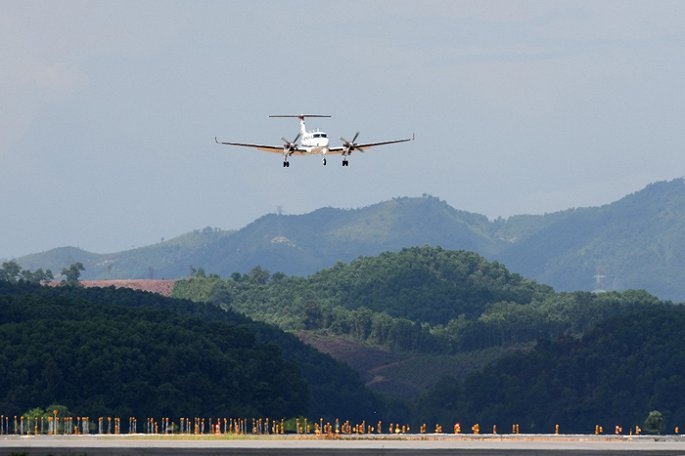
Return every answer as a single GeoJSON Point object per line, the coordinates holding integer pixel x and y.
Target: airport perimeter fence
{"type": "Point", "coordinates": [56, 425]}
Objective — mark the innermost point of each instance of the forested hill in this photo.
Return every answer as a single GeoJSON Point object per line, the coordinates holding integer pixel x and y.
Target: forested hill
{"type": "Point", "coordinates": [462, 339]}
{"type": "Point", "coordinates": [407, 318]}
{"type": "Point", "coordinates": [292, 244]}
{"type": "Point", "coordinates": [437, 318]}
{"type": "Point", "coordinates": [617, 374]}
{"type": "Point", "coordinates": [421, 284]}
{"type": "Point", "coordinates": [636, 242]}
{"type": "Point", "coordinates": [107, 352]}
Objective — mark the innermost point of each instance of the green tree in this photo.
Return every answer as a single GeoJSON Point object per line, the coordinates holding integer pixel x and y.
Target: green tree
{"type": "Point", "coordinates": [38, 276]}
{"type": "Point", "coordinates": [10, 271]}
{"type": "Point", "coordinates": [72, 274]}
{"type": "Point", "coordinates": [36, 412]}
{"type": "Point", "coordinates": [313, 315]}
{"type": "Point", "coordinates": [654, 423]}
{"type": "Point", "coordinates": [258, 275]}
{"type": "Point", "coordinates": [197, 272]}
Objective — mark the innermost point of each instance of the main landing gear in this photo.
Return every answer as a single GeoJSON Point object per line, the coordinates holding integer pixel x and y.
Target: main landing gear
{"type": "Point", "coordinates": [286, 163]}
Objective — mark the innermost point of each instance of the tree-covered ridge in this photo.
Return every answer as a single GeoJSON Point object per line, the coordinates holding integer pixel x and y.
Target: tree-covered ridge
{"type": "Point", "coordinates": [294, 244]}
{"type": "Point", "coordinates": [403, 300]}
{"type": "Point", "coordinates": [123, 344]}
{"type": "Point", "coordinates": [100, 355]}
{"type": "Point", "coordinates": [13, 273]}
{"type": "Point", "coordinates": [419, 299]}
{"type": "Point", "coordinates": [169, 258]}
{"type": "Point", "coordinates": [615, 374]}
{"type": "Point", "coordinates": [636, 242]}
{"type": "Point", "coordinates": [427, 305]}
{"type": "Point", "coordinates": [125, 353]}
{"type": "Point", "coordinates": [425, 284]}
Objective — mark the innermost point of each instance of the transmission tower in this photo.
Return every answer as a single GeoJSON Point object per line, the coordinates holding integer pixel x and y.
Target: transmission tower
{"type": "Point", "coordinates": [598, 281]}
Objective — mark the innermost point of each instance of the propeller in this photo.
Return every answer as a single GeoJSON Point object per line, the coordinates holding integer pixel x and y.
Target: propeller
{"type": "Point", "coordinates": [351, 145]}
{"type": "Point", "coordinates": [290, 146]}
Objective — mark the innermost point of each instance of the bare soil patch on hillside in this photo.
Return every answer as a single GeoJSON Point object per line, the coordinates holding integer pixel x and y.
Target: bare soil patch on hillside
{"type": "Point", "coordinates": [362, 358]}
{"type": "Point", "coordinates": [401, 374]}
{"type": "Point", "coordinates": [162, 287]}
{"type": "Point", "coordinates": [387, 372]}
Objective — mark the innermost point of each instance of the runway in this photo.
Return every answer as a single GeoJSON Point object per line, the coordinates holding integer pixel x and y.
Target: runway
{"type": "Point", "coordinates": [424, 445]}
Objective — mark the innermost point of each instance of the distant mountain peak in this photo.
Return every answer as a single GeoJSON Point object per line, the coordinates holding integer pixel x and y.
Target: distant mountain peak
{"type": "Point", "coordinates": [638, 239]}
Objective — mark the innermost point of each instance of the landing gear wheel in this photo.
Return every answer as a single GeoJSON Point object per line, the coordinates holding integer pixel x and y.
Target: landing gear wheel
{"type": "Point", "coordinates": [346, 163]}
{"type": "Point", "coordinates": [286, 164]}
{"type": "Point", "coordinates": [324, 162]}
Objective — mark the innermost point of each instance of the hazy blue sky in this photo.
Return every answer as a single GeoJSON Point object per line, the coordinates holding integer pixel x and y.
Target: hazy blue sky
{"type": "Point", "coordinates": [108, 109]}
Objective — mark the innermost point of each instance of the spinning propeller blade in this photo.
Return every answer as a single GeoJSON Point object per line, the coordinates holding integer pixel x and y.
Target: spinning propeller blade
{"type": "Point", "coordinates": [351, 145]}
{"type": "Point", "coordinates": [290, 145]}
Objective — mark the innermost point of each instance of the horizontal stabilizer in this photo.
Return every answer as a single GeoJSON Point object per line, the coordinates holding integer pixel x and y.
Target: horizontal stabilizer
{"type": "Point", "coordinates": [300, 116]}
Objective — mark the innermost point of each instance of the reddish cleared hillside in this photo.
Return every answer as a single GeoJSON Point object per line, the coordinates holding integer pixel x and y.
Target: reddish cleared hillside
{"type": "Point", "coordinates": [162, 287]}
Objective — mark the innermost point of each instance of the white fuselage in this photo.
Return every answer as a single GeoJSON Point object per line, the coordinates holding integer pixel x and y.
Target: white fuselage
{"type": "Point", "coordinates": [313, 141]}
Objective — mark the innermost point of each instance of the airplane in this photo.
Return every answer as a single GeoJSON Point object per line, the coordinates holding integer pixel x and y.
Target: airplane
{"type": "Point", "coordinates": [313, 143]}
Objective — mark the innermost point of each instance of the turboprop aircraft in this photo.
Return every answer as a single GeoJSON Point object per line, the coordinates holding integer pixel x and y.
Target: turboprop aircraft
{"type": "Point", "coordinates": [313, 143]}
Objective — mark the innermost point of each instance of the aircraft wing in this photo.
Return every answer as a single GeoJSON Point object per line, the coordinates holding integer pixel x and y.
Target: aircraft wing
{"type": "Point", "coordinates": [361, 147]}
{"type": "Point", "coordinates": [262, 147]}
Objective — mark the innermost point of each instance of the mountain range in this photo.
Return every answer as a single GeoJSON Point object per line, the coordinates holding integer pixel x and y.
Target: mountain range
{"type": "Point", "coordinates": [637, 242]}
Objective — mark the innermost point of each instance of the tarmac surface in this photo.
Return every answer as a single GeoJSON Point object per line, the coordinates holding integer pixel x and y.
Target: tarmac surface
{"type": "Point", "coordinates": [423, 445]}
